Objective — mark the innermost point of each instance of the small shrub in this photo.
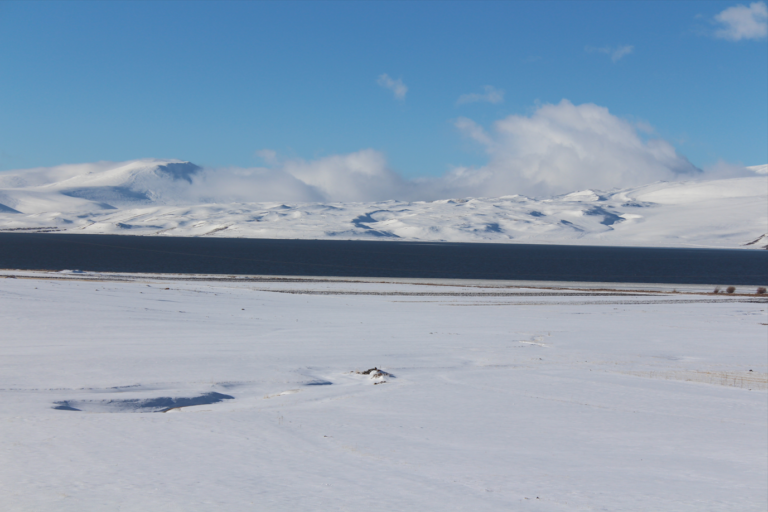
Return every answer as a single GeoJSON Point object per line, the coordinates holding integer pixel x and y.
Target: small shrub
{"type": "Point", "coordinates": [730, 289]}
{"type": "Point", "coordinates": [761, 290]}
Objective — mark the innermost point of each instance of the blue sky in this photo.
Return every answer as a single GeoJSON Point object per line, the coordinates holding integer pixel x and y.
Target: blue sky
{"type": "Point", "coordinates": [216, 82]}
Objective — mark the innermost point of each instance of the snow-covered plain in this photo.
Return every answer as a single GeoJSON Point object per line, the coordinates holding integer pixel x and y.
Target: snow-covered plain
{"type": "Point", "coordinates": [500, 398]}
{"type": "Point", "coordinates": [166, 197]}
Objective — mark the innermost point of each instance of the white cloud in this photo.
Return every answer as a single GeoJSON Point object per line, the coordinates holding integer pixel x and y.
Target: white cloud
{"type": "Point", "coordinates": [723, 170]}
{"type": "Point", "coordinates": [645, 127]}
{"type": "Point", "coordinates": [742, 22]}
{"type": "Point", "coordinates": [396, 86]}
{"type": "Point", "coordinates": [565, 147]}
{"type": "Point", "coordinates": [491, 95]}
{"type": "Point", "coordinates": [473, 131]}
{"type": "Point", "coordinates": [238, 185]}
{"type": "Point", "coordinates": [620, 52]}
{"type": "Point", "coordinates": [268, 155]}
{"type": "Point", "coordinates": [616, 53]}
{"type": "Point", "coordinates": [360, 176]}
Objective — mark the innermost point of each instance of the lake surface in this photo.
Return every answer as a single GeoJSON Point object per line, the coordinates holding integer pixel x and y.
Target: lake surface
{"type": "Point", "coordinates": [249, 256]}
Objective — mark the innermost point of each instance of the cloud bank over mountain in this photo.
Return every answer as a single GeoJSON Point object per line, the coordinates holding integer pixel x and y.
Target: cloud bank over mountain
{"type": "Point", "coordinates": [565, 147]}
{"type": "Point", "coordinates": [557, 149]}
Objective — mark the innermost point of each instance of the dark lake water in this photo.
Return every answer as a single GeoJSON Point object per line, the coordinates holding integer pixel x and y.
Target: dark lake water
{"type": "Point", "coordinates": [114, 253]}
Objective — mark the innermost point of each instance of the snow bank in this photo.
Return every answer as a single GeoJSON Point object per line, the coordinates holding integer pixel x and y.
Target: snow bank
{"type": "Point", "coordinates": [548, 401]}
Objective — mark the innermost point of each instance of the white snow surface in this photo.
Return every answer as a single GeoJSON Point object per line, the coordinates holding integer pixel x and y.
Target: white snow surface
{"type": "Point", "coordinates": [499, 398]}
{"type": "Point", "coordinates": [162, 197]}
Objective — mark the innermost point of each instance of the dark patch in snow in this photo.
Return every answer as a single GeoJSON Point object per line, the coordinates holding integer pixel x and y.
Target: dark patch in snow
{"type": "Point", "coordinates": [160, 404]}
{"type": "Point", "coordinates": [101, 194]}
{"type": "Point", "coordinates": [360, 219]}
{"type": "Point", "coordinates": [133, 226]}
{"type": "Point", "coordinates": [571, 225]}
{"type": "Point", "coordinates": [319, 383]}
{"type": "Point", "coordinates": [179, 171]}
{"type": "Point", "coordinates": [536, 214]}
{"type": "Point", "coordinates": [609, 218]}
{"type": "Point", "coordinates": [65, 407]}
{"type": "Point", "coordinates": [7, 209]}
{"type": "Point", "coordinates": [493, 227]}
{"type": "Point", "coordinates": [756, 240]}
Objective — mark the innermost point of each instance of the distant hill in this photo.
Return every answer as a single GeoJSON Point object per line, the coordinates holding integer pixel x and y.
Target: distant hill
{"type": "Point", "coordinates": [152, 197]}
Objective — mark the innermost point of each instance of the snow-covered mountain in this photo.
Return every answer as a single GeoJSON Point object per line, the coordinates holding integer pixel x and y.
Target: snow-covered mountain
{"type": "Point", "coordinates": [152, 197]}
{"type": "Point", "coordinates": [105, 185]}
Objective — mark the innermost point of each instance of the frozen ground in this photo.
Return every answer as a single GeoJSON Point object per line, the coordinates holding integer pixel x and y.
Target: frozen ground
{"type": "Point", "coordinates": [157, 197]}
{"type": "Point", "coordinates": [500, 398]}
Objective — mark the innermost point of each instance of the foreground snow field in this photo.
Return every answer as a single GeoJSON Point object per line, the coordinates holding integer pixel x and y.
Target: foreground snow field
{"type": "Point", "coordinates": [499, 398]}
{"type": "Point", "coordinates": [162, 197]}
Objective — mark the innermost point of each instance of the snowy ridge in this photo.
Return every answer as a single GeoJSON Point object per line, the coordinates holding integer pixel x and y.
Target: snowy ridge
{"type": "Point", "coordinates": [151, 197]}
